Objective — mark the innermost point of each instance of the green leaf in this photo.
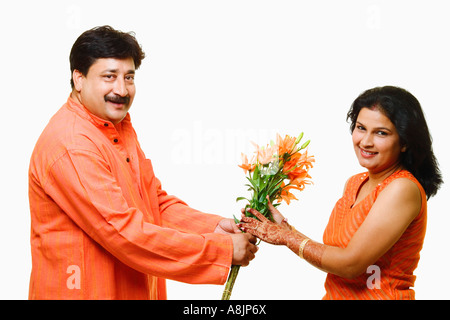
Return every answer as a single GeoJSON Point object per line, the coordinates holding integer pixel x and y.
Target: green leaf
{"type": "Point", "coordinates": [262, 198]}
{"type": "Point", "coordinates": [252, 183]}
{"type": "Point", "coordinates": [256, 171]}
{"type": "Point", "coordinates": [241, 198]}
{"type": "Point", "coordinates": [276, 204]}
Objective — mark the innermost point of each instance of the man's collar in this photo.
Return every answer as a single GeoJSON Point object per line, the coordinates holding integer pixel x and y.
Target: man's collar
{"type": "Point", "coordinates": [83, 112]}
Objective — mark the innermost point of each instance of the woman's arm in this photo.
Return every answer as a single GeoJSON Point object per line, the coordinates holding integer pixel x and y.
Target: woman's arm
{"type": "Point", "coordinates": [395, 208]}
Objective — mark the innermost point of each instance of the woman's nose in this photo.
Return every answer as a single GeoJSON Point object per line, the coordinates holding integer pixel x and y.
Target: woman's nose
{"type": "Point", "coordinates": [367, 140]}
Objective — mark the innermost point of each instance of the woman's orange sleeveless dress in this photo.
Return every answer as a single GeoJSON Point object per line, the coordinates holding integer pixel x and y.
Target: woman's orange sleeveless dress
{"type": "Point", "coordinates": [391, 277]}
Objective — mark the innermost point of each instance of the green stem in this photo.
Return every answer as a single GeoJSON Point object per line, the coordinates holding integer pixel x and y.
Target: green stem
{"type": "Point", "coordinates": [230, 282]}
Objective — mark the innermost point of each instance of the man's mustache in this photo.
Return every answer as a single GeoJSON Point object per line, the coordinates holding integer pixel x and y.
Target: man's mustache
{"type": "Point", "coordinates": [117, 99]}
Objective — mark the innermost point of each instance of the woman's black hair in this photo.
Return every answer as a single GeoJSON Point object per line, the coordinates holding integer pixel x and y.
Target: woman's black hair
{"type": "Point", "coordinates": [103, 42]}
{"type": "Point", "coordinates": [405, 112]}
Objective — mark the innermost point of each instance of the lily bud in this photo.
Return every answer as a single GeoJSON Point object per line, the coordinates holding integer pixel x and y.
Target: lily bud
{"type": "Point", "coordinates": [305, 144]}
{"type": "Point", "coordinates": [299, 138]}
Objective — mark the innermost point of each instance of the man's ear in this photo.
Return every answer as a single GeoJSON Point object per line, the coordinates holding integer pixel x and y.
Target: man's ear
{"type": "Point", "coordinates": [77, 78]}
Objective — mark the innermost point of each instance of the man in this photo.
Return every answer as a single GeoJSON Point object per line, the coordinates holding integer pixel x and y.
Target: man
{"type": "Point", "coordinates": [101, 226]}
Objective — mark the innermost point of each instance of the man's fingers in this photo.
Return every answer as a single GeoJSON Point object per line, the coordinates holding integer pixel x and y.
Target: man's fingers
{"type": "Point", "coordinates": [251, 238]}
{"type": "Point", "coordinates": [244, 248]}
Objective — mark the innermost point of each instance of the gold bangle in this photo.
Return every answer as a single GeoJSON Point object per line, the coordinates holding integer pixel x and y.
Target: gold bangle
{"type": "Point", "coordinates": [302, 246]}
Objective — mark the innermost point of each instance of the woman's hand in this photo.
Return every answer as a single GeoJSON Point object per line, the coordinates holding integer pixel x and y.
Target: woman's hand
{"type": "Point", "coordinates": [275, 233]}
{"type": "Point", "coordinates": [281, 233]}
{"type": "Point", "coordinates": [277, 216]}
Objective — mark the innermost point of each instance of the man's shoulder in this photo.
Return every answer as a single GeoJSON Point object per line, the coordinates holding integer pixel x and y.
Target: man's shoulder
{"type": "Point", "coordinates": [65, 131]}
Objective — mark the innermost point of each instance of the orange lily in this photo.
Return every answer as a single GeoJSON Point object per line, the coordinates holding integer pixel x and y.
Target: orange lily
{"type": "Point", "coordinates": [246, 165]}
{"type": "Point", "coordinates": [285, 145]}
{"type": "Point", "coordinates": [265, 155]}
{"type": "Point", "coordinates": [286, 195]}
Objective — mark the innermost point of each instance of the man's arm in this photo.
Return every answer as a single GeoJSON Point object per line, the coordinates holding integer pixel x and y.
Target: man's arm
{"type": "Point", "coordinates": [176, 214]}
{"type": "Point", "coordinates": [81, 183]}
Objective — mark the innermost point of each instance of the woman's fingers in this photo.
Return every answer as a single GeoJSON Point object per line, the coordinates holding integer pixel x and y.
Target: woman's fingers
{"type": "Point", "coordinates": [257, 214]}
{"type": "Point", "coordinates": [277, 216]}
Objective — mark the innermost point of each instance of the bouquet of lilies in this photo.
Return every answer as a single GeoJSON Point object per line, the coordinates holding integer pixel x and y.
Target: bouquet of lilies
{"type": "Point", "coordinates": [273, 173]}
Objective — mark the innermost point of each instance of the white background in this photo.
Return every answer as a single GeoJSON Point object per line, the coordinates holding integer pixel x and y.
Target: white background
{"type": "Point", "coordinates": [219, 74]}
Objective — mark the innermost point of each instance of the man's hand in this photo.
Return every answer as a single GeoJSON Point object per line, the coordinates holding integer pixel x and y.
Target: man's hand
{"type": "Point", "coordinates": [244, 248]}
{"type": "Point", "coordinates": [227, 226]}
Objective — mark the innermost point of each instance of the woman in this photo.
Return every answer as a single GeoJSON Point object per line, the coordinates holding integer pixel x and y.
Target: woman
{"type": "Point", "coordinates": [378, 227]}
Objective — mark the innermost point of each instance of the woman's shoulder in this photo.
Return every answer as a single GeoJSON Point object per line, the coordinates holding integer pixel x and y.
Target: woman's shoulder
{"type": "Point", "coordinates": [403, 180]}
{"type": "Point", "coordinates": [403, 187]}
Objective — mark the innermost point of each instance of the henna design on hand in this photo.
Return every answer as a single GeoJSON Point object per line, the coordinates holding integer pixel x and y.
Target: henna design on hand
{"type": "Point", "coordinates": [282, 234]}
{"type": "Point", "coordinates": [264, 229]}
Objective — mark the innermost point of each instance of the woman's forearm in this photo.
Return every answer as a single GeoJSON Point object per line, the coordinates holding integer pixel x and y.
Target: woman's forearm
{"type": "Point", "coordinates": [329, 259]}
{"type": "Point", "coordinates": [306, 248]}
{"type": "Point", "coordinates": [339, 261]}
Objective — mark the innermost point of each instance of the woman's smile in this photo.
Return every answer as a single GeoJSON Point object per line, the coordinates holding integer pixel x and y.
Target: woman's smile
{"type": "Point", "coordinates": [367, 154]}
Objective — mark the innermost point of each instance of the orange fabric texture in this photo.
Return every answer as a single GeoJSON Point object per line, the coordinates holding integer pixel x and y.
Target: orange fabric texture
{"type": "Point", "coordinates": [102, 227]}
{"type": "Point", "coordinates": [396, 266]}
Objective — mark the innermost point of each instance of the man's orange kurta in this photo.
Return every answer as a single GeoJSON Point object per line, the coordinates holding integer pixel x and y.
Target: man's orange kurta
{"type": "Point", "coordinates": [102, 227]}
{"type": "Point", "coordinates": [396, 266]}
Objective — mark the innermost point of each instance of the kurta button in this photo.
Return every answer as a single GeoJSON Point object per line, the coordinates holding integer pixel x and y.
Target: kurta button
{"type": "Point", "coordinates": [128, 159]}
{"type": "Point", "coordinates": [116, 140]}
